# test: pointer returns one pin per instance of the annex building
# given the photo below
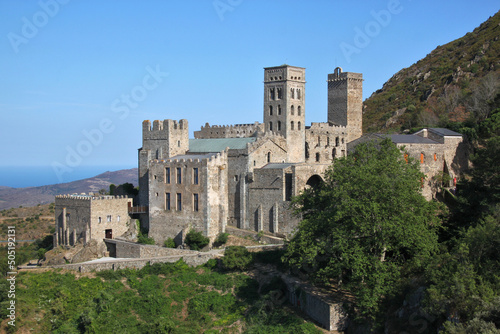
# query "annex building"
(245, 175)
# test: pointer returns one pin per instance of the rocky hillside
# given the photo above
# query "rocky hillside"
(15, 197)
(453, 83)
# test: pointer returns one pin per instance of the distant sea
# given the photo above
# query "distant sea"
(34, 176)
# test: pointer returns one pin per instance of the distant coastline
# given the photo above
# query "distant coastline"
(35, 176)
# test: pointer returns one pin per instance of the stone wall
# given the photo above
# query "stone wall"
(345, 101)
(86, 217)
(196, 202)
(325, 142)
(229, 131)
(161, 141)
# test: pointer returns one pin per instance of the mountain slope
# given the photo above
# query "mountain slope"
(443, 87)
(14, 197)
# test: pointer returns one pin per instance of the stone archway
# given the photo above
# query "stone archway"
(315, 181)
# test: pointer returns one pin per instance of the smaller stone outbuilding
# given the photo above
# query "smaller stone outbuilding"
(81, 218)
(439, 151)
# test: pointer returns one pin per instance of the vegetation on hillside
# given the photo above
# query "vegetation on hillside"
(365, 224)
(161, 298)
(412, 266)
(453, 84)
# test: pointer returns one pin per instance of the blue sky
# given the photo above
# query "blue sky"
(78, 77)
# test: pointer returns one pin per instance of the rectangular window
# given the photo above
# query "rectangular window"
(108, 218)
(179, 175)
(195, 202)
(179, 202)
(167, 175)
(167, 201)
(195, 175)
(117, 218)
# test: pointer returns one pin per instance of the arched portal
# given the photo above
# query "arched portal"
(314, 181)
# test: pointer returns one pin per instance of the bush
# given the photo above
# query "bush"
(221, 239)
(236, 257)
(144, 239)
(196, 240)
(169, 243)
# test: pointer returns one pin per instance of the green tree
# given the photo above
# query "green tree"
(364, 223)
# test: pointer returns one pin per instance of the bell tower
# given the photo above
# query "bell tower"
(284, 107)
(345, 101)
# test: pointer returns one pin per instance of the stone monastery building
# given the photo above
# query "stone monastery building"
(245, 175)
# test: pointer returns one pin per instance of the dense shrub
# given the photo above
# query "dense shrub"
(236, 257)
(196, 240)
(221, 239)
(169, 243)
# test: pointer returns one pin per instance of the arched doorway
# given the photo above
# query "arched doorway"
(314, 181)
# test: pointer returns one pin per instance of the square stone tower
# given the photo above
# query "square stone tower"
(162, 141)
(345, 101)
(284, 107)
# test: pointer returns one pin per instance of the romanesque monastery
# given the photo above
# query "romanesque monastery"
(245, 175)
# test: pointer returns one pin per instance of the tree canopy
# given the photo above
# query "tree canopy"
(366, 221)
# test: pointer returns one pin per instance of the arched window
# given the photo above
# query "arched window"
(299, 110)
(280, 94)
(270, 110)
(271, 94)
(298, 94)
(279, 109)
(279, 125)
(317, 157)
(336, 141)
(334, 153)
(270, 126)
(298, 125)
(292, 110)
(291, 125)
(292, 93)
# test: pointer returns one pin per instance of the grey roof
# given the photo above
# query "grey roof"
(218, 144)
(277, 165)
(445, 132)
(411, 139)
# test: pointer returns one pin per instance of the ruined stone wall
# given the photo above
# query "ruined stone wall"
(229, 131)
(208, 214)
(325, 142)
(72, 219)
(433, 159)
(86, 217)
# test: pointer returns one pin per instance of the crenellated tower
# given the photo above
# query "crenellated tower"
(165, 139)
(284, 107)
(345, 101)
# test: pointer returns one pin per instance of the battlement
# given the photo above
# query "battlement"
(227, 131)
(339, 75)
(90, 197)
(214, 159)
(325, 127)
(166, 125)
